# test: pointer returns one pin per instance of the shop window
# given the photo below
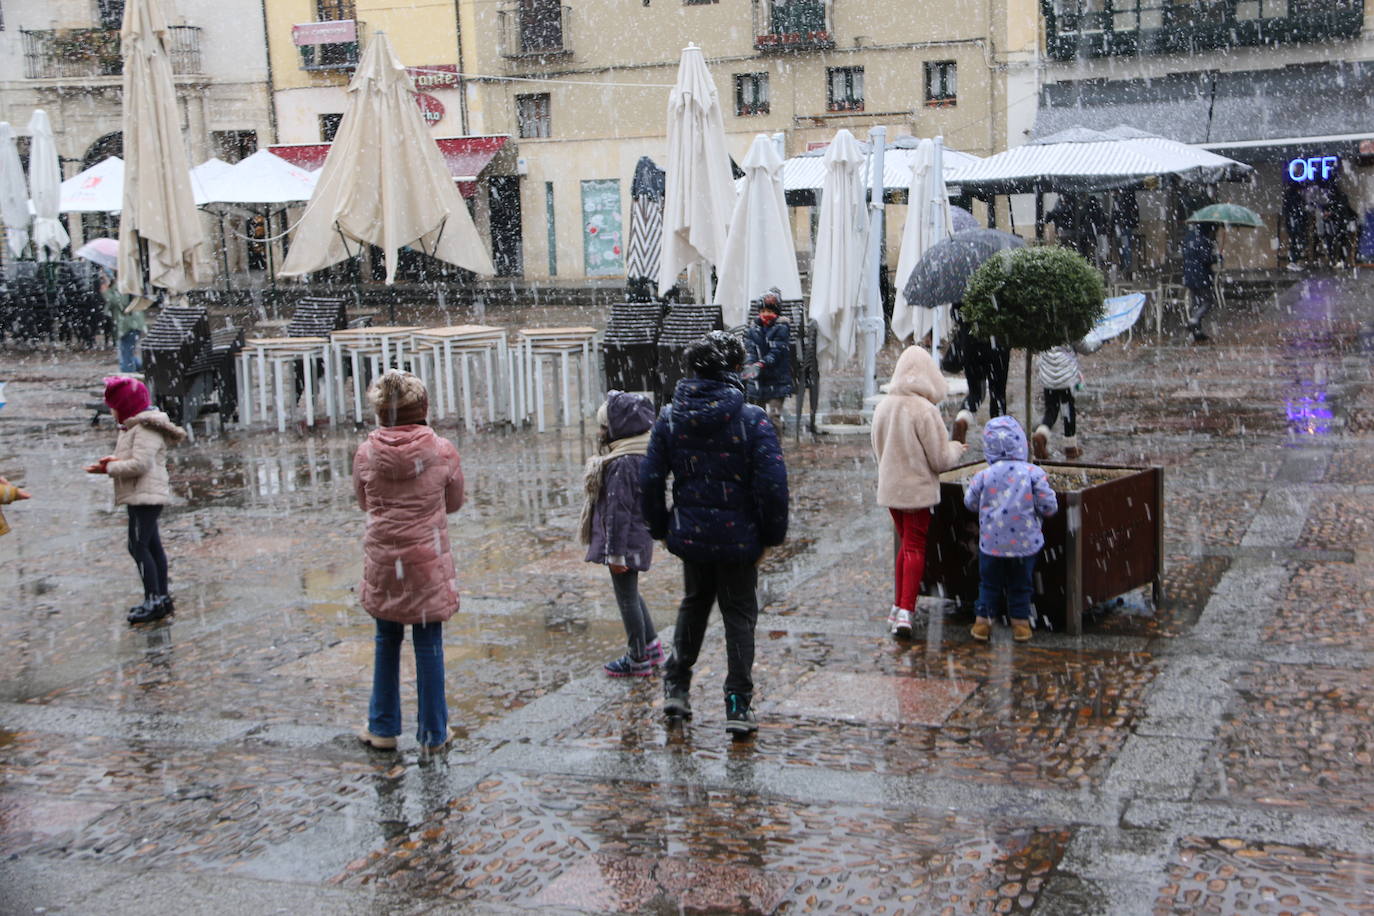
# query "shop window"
(941, 83)
(335, 10)
(533, 116)
(110, 13)
(234, 145)
(844, 89)
(329, 126)
(751, 94)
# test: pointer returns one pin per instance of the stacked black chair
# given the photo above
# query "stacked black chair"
(317, 316)
(220, 362)
(630, 346)
(170, 348)
(684, 323)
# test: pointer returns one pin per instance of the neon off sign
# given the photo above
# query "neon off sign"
(1313, 168)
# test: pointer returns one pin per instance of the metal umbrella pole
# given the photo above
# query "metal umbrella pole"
(871, 324)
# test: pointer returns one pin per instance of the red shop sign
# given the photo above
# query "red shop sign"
(431, 109)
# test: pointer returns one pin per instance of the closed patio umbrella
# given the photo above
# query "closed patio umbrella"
(700, 192)
(14, 197)
(45, 184)
(646, 227)
(159, 228)
(837, 265)
(928, 220)
(759, 253)
(384, 182)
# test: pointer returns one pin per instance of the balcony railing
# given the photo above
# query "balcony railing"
(1105, 28)
(91, 53)
(334, 55)
(793, 25)
(534, 29)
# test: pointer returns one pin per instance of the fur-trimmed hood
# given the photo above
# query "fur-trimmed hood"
(155, 419)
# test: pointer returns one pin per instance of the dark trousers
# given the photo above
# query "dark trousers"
(1054, 399)
(985, 364)
(145, 546)
(1203, 300)
(1005, 584)
(734, 586)
(639, 626)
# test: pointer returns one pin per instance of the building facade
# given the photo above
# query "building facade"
(64, 56)
(1282, 85)
(558, 101)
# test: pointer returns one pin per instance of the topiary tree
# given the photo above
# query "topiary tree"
(1033, 299)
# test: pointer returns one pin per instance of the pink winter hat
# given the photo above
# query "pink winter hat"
(126, 396)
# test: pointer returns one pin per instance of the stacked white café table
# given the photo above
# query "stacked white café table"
(435, 351)
(535, 346)
(278, 357)
(382, 347)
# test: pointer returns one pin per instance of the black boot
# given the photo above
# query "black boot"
(739, 718)
(151, 609)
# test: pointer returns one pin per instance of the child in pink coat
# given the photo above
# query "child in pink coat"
(407, 479)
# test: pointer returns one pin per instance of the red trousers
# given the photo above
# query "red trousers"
(910, 564)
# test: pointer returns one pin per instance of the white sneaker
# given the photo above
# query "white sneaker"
(901, 623)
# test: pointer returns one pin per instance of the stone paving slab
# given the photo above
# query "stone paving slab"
(1298, 737)
(524, 836)
(1232, 875)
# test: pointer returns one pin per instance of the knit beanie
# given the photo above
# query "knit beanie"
(126, 396)
(398, 398)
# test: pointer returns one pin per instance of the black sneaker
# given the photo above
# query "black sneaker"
(739, 718)
(150, 610)
(676, 703)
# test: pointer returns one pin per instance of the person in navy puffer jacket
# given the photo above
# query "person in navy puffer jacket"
(729, 506)
(1010, 495)
(768, 343)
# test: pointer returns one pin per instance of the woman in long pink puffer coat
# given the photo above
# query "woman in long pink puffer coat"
(407, 478)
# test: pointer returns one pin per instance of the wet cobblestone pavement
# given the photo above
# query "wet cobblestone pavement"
(1211, 754)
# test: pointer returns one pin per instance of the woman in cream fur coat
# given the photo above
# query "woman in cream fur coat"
(913, 448)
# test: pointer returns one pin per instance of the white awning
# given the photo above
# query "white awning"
(99, 189)
(807, 171)
(262, 178)
(1079, 159)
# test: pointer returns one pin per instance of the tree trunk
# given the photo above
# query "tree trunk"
(1030, 407)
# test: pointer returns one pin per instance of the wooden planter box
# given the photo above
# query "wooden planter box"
(1106, 539)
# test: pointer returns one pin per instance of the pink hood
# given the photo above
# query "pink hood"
(407, 479)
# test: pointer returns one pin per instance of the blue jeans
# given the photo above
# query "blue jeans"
(128, 362)
(1004, 584)
(384, 712)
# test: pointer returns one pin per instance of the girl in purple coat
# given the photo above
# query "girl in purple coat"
(613, 525)
(1010, 495)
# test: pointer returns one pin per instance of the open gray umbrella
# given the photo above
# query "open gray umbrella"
(942, 273)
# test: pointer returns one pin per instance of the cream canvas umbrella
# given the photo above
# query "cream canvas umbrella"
(384, 182)
(45, 184)
(159, 228)
(928, 220)
(837, 265)
(700, 191)
(759, 253)
(14, 197)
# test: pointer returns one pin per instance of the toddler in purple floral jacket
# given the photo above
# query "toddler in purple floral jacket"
(1011, 496)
